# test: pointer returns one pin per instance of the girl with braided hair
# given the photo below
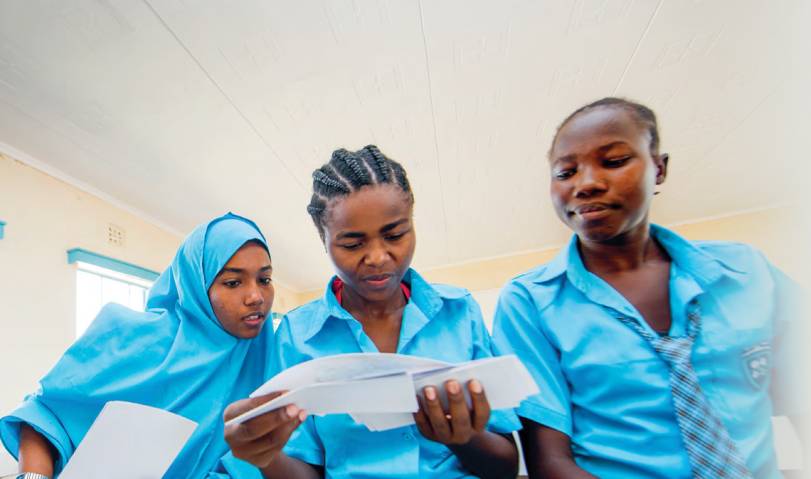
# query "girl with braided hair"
(362, 208)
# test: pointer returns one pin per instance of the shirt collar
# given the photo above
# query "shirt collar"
(705, 267)
(424, 296)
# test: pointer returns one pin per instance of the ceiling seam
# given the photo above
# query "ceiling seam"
(637, 48)
(433, 123)
(225, 95)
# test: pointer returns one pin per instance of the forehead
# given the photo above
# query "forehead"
(598, 127)
(249, 255)
(368, 209)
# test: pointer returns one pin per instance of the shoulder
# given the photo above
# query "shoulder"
(299, 321)
(452, 293)
(738, 257)
(539, 286)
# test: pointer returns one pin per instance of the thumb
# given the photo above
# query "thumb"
(244, 405)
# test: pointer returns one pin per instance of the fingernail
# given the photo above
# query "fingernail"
(302, 415)
(452, 387)
(430, 393)
(475, 387)
(291, 410)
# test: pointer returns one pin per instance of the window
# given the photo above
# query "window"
(101, 280)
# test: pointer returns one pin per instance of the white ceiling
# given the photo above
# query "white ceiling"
(183, 109)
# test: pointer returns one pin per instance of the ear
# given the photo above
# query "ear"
(661, 167)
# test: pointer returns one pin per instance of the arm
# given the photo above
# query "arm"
(548, 453)
(260, 440)
(36, 453)
(462, 429)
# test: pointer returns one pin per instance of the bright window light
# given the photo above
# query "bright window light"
(97, 286)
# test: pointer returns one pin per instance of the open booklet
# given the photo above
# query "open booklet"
(379, 389)
(129, 441)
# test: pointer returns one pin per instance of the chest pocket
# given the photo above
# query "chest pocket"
(742, 359)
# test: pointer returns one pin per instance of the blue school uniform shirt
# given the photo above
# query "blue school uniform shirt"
(174, 356)
(604, 386)
(439, 322)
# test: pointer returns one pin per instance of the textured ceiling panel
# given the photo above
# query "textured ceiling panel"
(184, 109)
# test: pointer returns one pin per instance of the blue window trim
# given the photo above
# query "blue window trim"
(2, 227)
(79, 254)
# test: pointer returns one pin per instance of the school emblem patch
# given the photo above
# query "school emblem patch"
(757, 363)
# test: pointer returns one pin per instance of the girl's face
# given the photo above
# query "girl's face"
(604, 174)
(370, 239)
(242, 293)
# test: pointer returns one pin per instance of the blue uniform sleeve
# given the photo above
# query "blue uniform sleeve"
(304, 444)
(518, 329)
(231, 467)
(790, 381)
(37, 415)
(502, 421)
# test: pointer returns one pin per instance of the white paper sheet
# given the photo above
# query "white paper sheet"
(129, 441)
(379, 390)
(389, 393)
(505, 380)
(344, 367)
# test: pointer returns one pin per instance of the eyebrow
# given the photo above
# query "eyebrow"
(356, 234)
(607, 147)
(393, 225)
(601, 149)
(241, 270)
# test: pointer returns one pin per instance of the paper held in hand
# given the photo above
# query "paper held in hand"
(129, 441)
(379, 389)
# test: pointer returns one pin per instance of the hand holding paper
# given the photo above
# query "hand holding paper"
(262, 439)
(378, 390)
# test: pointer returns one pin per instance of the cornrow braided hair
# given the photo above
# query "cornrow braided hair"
(347, 172)
(644, 116)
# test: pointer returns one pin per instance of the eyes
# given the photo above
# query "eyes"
(389, 237)
(232, 283)
(564, 173)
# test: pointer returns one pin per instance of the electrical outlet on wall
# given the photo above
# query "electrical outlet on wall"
(115, 235)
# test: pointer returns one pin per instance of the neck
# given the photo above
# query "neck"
(364, 309)
(625, 252)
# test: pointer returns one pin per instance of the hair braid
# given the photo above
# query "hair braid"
(348, 171)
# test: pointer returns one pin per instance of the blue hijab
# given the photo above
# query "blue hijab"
(175, 356)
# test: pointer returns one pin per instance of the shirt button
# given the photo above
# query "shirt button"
(408, 436)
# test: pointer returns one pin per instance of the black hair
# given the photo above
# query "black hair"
(349, 171)
(643, 115)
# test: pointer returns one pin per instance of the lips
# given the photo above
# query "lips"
(377, 280)
(255, 318)
(592, 210)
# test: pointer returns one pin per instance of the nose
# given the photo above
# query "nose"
(376, 255)
(254, 297)
(589, 182)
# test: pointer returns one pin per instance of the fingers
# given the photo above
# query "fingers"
(259, 440)
(459, 412)
(422, 422)
(480, 404)
(261, 425)
(264, 449)
(242, 406)
(436, 415)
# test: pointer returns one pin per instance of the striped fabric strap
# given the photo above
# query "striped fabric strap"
(712, 453)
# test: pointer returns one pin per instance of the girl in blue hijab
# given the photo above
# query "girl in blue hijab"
(186, 354)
